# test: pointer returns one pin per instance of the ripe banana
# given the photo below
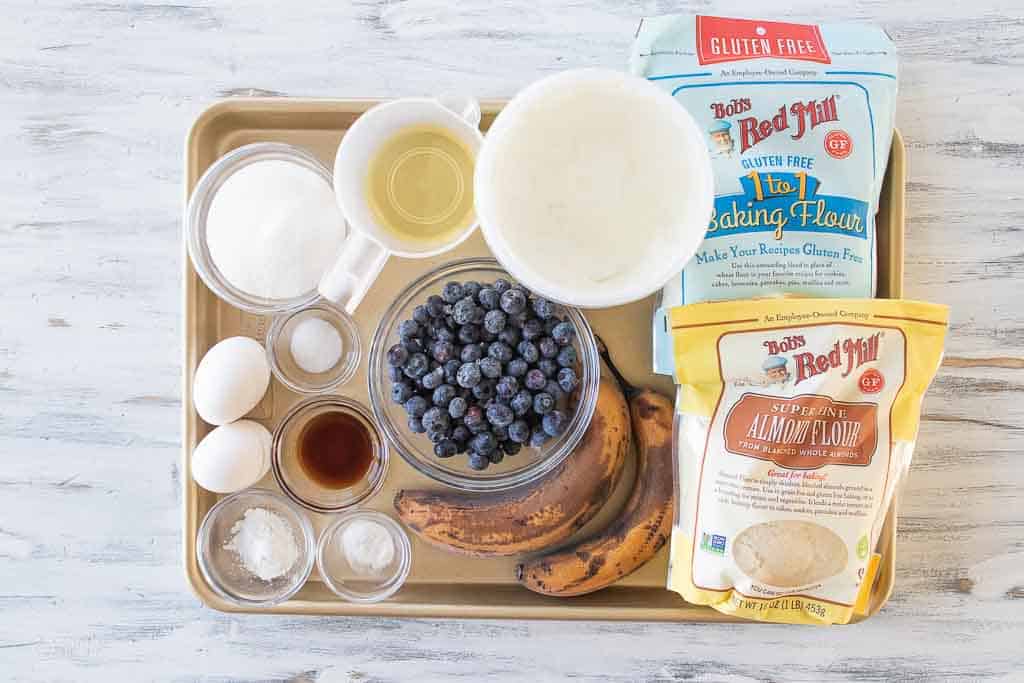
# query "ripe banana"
(537, 515)
(638, 533)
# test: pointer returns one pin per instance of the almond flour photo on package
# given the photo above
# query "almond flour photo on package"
(795, 423)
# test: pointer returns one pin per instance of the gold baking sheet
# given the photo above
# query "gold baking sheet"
(443, 584)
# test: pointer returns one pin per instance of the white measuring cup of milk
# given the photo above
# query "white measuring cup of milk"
(369, 244)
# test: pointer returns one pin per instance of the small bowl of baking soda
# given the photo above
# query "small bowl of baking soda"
(364, 556)
(313, 349)
(256, 548)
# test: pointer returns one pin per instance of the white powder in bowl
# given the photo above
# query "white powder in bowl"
(273, 228)
(264, 543)
(368, 546)
(315, 345)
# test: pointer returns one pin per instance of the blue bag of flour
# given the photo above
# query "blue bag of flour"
(799, 120)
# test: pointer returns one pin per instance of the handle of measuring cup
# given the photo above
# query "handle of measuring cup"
(358, 264)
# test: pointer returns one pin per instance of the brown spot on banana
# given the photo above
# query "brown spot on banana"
(539, 515)
(638, 533)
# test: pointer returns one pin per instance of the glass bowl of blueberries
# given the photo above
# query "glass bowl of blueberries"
(479, 383)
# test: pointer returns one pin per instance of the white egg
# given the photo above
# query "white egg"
(232, 457)
(230, 380)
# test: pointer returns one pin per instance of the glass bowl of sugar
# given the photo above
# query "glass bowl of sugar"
(364, 556)
(263, 226)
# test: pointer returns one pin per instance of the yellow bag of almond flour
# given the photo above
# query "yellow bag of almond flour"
(796, 422)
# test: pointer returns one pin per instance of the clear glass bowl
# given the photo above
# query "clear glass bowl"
(222, 568)
(292, 478)
(199, 206)
(349, 582)
(283, 364)
(416, 449)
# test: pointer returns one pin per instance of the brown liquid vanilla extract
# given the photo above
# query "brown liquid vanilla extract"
(335, 450)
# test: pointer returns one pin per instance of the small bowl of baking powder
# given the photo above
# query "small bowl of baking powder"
(256, 548)
(364, 556)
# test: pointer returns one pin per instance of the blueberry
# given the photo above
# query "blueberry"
(499, 415)
(443, 395)
(421, 315)
(511, 447)
(408, 328)
(522, 403)
(483, 443)
(547, 366)
(517, 367)
(567, 380)
(471, 288)
(490, 367)
(436, 437)
(508, 387)
(489, 298)
(452, 292)
(554, 389)
(543, 308)
(478, 462)
(566, 357)
(554, 423)
(442, 351)
(517, 320)
(495, 321)
(513, 301)
(485, 389)
(470, 353)
(497, 455)
(401, 392)
(510, 335)
(535, 380)
(463, 311)
(397, 355)
(436, 420)
(457, 407)
(469, 334)
(551, 323)
(412, 345)
(563, 333)
(442, 333)
(460, 435)
(528, 351)
(474, 419)
(416, 366)
(487, 337)
(500, 351)
(435, 306)
(500, 433)
(519, 431)
(543, 403)
(548, 347)
(395, 374)
(469, 375)
(451, 371)
(478, 316)
(433, 379)
(538, 437)
(501, 285)
(416, 406)
(416, 425)
(445, 449)
(532, 329)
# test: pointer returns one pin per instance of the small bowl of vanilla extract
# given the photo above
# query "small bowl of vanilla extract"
(328, 454)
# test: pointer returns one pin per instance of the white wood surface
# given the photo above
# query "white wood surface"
(95, 99)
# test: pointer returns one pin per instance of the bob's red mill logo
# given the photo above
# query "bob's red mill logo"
(731, 40)
(805, 115)
(846, 354)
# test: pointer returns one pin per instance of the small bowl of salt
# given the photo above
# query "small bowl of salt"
(313, 349)
(364, 556)
(256, 548)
